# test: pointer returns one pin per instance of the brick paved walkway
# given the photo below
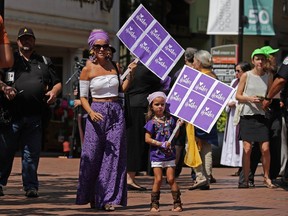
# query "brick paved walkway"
(58, 179)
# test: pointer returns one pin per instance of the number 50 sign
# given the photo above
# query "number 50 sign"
(260, 17)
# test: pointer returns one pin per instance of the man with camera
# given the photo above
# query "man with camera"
(36, 85)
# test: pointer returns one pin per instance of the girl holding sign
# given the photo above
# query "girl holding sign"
(159, 128)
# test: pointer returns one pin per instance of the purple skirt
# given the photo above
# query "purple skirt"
(102, 175)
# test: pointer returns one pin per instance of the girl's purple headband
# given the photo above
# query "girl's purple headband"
(154, 95)
(97, 35)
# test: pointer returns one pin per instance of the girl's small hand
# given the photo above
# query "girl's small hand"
(95, 116)
(165, 144)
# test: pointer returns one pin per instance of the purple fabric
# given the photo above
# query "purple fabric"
(102, 176)
(95, 35)
(161, 133)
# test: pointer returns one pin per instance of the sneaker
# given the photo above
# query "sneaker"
(198, 184)
(251, 184)
(1, 191)
(243, 185)
(212, 179)
(31, 193)
(205, 187)
(284, 180)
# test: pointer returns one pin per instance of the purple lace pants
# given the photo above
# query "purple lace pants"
(102, 175)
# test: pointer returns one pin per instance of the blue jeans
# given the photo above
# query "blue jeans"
(26, 133)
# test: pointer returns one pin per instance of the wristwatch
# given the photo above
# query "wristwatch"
(268, 99)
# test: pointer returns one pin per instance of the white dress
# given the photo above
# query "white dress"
(231, 150)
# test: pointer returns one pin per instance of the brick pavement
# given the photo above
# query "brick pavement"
(58, 180)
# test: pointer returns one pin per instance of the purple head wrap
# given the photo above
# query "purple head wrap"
(95, 35)
(154, 95)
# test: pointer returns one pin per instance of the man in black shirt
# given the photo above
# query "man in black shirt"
(36, 83)
(279, 83)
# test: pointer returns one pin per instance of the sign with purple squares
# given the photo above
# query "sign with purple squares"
(203, 84)
(207, 114)
(157, 33)
(161, 63)
(203, 101)
(142, 17)
(150, 42)
(145, 49)
(130, 34)
(190, 106)
(176, 98)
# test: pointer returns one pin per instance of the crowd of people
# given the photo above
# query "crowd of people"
(117, 146)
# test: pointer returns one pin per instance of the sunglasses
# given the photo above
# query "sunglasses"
(99, 46)
(237, 71)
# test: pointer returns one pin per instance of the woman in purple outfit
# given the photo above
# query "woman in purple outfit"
(102, 176)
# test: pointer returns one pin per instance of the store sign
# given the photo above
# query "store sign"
(260, 17)
(224, 60)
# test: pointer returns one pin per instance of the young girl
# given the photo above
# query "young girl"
(159, 128)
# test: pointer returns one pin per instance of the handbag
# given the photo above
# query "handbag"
(239, 106)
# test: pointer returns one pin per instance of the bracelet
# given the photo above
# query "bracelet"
(268, 99)
(89, 112)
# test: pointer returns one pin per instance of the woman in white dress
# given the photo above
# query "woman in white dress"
(232, 147)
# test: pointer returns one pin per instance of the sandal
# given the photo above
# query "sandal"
(177, 207)
(154, 207)
(268, 183)
(108, 207)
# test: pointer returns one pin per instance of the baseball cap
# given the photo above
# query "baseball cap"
(25, 31)
(269, 50)
(258, 51)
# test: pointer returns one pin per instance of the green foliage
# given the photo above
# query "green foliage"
(221, 122)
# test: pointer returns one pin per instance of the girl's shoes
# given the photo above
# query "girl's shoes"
(268, 183)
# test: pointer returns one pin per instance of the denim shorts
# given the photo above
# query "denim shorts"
(163, 164)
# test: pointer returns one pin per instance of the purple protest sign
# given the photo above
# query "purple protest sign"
(191, 105)
(187, 77)
(204, 84)
(172, 49)
(161, 63)
(142, 17)
(157, 33)
(207, 115)
(130, 34)
(145, 49)
(220, 93)
(150, 42)
(204, 99)
(176, 98)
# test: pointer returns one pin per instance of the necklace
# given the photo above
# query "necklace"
(162, 118)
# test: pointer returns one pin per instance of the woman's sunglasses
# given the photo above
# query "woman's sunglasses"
(99, 46)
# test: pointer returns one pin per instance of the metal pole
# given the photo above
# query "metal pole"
(240, 34)
(2, 8)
